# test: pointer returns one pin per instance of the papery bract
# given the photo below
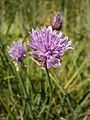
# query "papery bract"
(56, 22)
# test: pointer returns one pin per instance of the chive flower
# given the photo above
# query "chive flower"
(56, 22)
(17, 51)
(47, 46)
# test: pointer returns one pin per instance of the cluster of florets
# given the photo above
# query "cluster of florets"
(47, 46)
(17, 51)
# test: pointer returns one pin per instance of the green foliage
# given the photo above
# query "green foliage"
(27, 92)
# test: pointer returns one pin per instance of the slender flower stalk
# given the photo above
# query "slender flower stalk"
(50, 84)
(25, 95)
(49, 78)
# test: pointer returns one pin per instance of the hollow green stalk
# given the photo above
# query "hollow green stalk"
(25, 95)
(50, 84)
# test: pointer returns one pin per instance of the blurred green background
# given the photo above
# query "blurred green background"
(71, 81)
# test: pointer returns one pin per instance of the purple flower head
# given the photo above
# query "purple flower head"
(48, 46)
(17, 51)
(56, 22)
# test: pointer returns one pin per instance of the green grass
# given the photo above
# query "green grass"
(28, 92)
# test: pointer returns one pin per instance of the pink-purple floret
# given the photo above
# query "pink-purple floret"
(47, 46)
(17, 51)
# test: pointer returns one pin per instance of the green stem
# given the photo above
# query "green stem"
(49, 78)
(50, 84)
(25, 95)
(43, 85)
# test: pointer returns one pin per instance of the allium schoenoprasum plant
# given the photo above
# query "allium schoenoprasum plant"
(17, 52)
(47, 47)
(27, 92)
